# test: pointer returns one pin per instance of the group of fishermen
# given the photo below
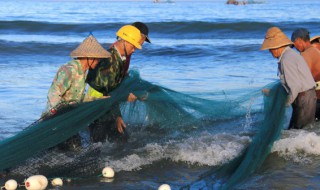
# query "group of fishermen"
(103, 70)
(299, 73)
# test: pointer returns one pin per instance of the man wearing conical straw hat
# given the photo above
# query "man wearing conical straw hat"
(68, 86)
(69, 82)
(295, 77)
(301, 39)
(315, 42)
(106, 77)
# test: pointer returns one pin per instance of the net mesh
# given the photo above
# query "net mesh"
(238, 169)
(31, 151)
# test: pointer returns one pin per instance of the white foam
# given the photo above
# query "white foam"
(298, 145)
(55, 39)
(210, 150)
(207, 149)
(135, 161)
(41, 38)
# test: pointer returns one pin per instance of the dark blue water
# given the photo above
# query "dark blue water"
(198, 48)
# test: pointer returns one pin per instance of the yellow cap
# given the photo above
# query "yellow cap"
(130, 34)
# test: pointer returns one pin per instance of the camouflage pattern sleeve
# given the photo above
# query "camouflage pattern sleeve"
(116, 111)
(59, 86)
(99, 77)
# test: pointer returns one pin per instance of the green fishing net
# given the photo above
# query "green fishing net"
(32, 151)
(238, 169)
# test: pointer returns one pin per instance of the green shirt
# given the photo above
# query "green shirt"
(108, 74)
(68, 84)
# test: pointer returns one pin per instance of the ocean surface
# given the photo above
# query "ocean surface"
(198, 48)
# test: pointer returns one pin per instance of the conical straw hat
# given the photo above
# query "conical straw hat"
(91, 48)
(275, 38)
(315, 39)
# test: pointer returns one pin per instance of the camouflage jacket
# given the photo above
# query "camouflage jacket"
(68, 84)
(108, 74)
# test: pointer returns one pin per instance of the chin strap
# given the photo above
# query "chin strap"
(91, 62)
(125, 49)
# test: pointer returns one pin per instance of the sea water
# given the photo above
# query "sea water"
(199, 48)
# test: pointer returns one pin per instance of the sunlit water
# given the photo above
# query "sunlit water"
(198, 48)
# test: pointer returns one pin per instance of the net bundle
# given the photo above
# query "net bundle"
(232, 173)
(30, 151)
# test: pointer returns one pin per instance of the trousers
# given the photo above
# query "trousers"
(303, 109)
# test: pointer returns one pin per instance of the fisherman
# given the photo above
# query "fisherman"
(301, 39)
(235, 2)
(144, 30)
(315, 42)
(295, 77)
(68, 86)
(111, 125)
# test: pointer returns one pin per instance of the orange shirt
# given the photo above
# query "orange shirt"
(312, 56)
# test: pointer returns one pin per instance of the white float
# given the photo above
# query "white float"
(11, 184)
(32, 184)
(164, 187)
(108, 172)
(36, 182)
(57, 182)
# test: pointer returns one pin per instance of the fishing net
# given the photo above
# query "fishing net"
(256, 1)
(233, 172)
(33, 150)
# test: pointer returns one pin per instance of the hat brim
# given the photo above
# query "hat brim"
(276, 46)
(90, 48)
(273, 44)
(148, 39)
(314, 39)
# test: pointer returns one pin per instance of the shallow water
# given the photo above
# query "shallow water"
(206, 49)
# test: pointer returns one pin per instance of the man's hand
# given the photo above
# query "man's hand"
(266, 91)
(120, 124)
(144, 97)
(132, 98)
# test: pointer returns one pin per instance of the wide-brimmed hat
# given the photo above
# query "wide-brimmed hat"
(143, 29)
(275, 38)
(315, 39)
(90, 48)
